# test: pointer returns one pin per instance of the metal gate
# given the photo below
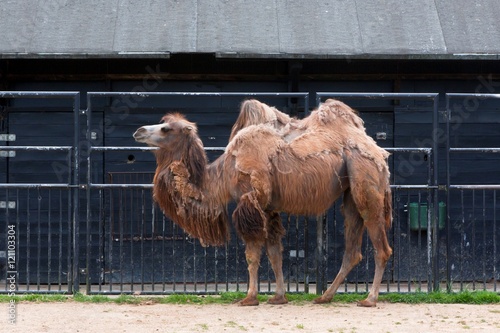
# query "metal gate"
(91, 222)
(39, 209)
(473, 235)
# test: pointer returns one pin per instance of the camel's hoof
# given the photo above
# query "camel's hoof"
(367, 303)
(277, 300)
(321, 300)
(249, 302)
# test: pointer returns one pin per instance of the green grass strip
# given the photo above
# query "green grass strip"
(464, 297)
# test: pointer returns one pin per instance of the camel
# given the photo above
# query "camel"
(274, 164)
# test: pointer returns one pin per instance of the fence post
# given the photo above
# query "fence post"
(434, 196)
(74, 279)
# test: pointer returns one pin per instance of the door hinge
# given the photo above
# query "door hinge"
(7, 153)
(7, 137)
(8, 204)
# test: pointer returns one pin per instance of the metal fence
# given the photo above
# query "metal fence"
(99, 230)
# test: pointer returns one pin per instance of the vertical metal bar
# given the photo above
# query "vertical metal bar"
(321, 256)
(131, 241)
(74, 272)
(145, 232)
(237, 264)
(88, 143)
(195, 283)
(215, 268)
(306, 255)
(39, 239)
(100, 250)
(429, 219)
(473, 238)
(288, 245)
(430, 246)
(462, 234)
(409, 240)
(173, 256)
(448, 199)
(297, 251)
(184, 263)
(109, 262)
(28, 239)
(435, 208)
(419, 240)
(121, 217)
(153, 240)
(495, 277)
(154, 217)
(397, 240)
(205, 275)
(484, 259)
(60, 253)
(227, 266)
(49, 241)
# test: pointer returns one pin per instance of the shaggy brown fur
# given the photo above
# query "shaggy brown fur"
(270, 166)
(253, 112)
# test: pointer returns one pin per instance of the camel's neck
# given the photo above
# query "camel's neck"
(189, 153)
(190, 192)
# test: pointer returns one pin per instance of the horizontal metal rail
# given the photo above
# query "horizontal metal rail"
(97, 148)
(194, 94)
(110, 148)
(39, 94)
(38, 148)
(428, 96)
(475, 187)
(475, 150)
(468, 95)
(40, 185)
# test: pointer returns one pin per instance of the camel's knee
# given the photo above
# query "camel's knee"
(383, 255)
(249, 219)
(352, 259)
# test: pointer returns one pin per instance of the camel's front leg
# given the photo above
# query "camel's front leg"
(274, 250)
(252, 252)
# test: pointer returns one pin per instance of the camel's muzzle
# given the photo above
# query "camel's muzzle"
(140, 134)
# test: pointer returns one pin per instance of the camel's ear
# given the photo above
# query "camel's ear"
(187, 129)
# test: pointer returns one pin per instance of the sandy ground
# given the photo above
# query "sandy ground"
(334, 317)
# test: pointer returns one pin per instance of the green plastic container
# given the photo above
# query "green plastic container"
(414, 215)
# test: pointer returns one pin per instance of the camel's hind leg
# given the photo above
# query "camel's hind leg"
(354, 228)
(378, 236)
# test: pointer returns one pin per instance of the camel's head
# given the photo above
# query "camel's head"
(173, 129)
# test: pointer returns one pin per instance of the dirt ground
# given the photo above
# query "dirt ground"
(348, 318)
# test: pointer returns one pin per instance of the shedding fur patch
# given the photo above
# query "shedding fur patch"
(249, 219)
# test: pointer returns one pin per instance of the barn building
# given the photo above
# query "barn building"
(425, 77)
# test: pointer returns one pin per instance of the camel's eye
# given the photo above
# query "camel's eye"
(165, 129)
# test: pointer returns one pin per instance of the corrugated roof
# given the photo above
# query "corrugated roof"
(258, 28)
